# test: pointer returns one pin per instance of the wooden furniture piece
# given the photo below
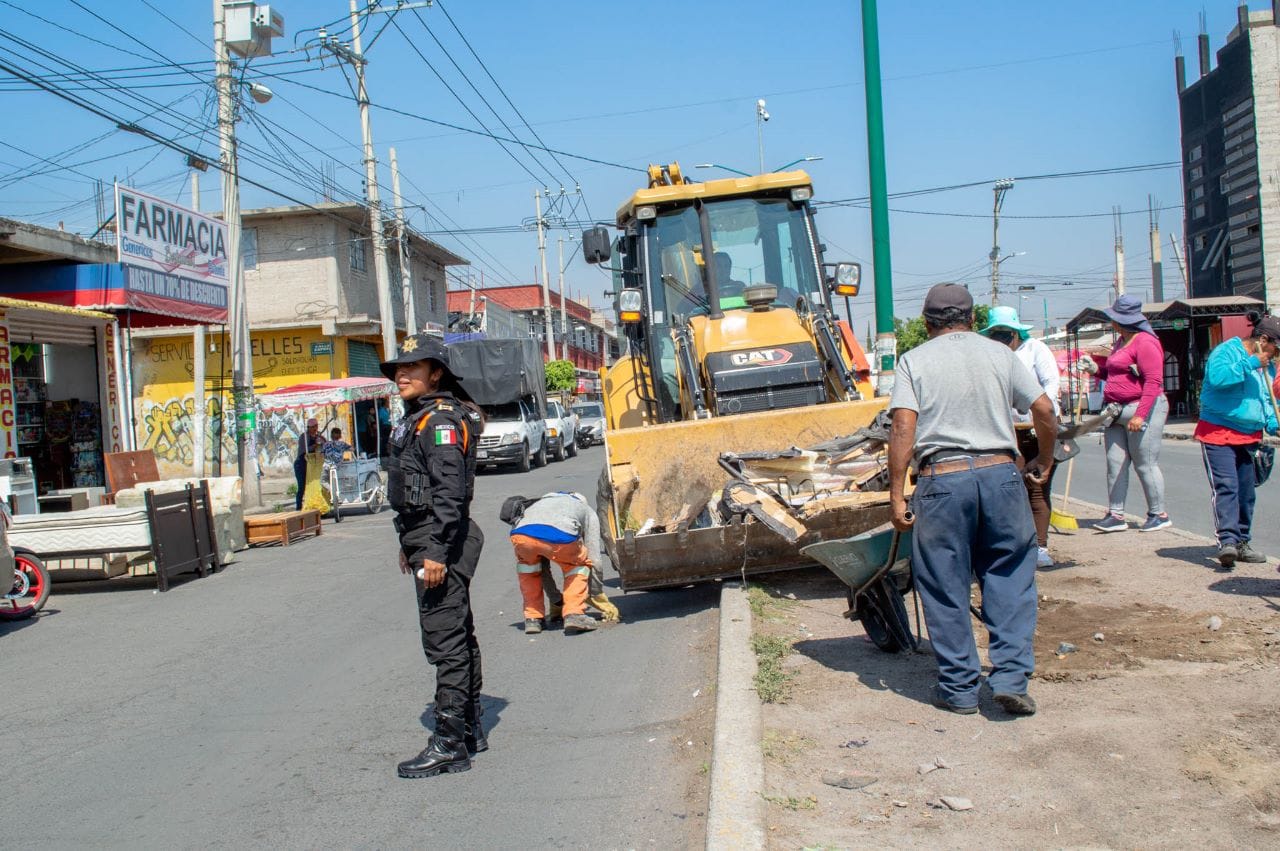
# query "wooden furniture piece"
(52, 503)
(282, 527)
(129, 469)
(175, 529)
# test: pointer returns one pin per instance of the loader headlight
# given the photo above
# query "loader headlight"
(846, 280)
(801, 193)
(630, 305)
(647, 212)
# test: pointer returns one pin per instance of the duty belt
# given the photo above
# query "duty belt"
(404, 522)
(970, 462)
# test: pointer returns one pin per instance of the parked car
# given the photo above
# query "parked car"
(514, 434)
(590, 423)
(562, 431)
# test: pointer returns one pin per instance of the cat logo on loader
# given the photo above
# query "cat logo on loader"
(760, 357)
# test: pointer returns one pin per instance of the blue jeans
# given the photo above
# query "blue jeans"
(1230, 470)
(977, 523)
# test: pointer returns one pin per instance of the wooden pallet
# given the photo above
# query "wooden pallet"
(282, 527)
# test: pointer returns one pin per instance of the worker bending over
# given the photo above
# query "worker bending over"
(560, 527)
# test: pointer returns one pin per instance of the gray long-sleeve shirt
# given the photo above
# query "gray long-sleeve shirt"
(568, 513)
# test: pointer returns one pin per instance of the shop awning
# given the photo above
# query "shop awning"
(33, 322)
(149, 297)
(314, 394)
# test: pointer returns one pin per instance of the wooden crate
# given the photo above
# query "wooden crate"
(282, 527)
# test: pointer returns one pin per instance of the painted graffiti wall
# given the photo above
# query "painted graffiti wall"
(163, 370)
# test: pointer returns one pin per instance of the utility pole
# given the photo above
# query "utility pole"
(382, 275)
(1157, 268)
(241, 349)
(886, 341)
(546, 289)
(1115, 211)
(1002, 186)
(406, 273)
(564, 321)
(198, 347)
(1182, 270)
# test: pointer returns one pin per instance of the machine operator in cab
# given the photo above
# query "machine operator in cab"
(431, 479)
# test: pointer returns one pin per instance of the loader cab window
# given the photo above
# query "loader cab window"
(754, 241)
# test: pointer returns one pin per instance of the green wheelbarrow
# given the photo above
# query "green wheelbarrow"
(876, 566)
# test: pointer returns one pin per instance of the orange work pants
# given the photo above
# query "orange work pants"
(573, 560)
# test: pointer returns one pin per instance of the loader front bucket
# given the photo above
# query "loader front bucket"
(664, 476)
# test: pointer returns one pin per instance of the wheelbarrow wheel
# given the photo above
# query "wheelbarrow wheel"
(888, 630)
(373, 487)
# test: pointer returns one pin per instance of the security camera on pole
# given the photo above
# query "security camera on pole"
(762, 115)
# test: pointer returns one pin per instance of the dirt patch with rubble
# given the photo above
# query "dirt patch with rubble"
(1159, 729)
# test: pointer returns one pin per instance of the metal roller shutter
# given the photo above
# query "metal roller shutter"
(33, 327)
(362, 360)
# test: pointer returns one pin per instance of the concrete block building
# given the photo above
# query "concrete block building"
(1230, 126)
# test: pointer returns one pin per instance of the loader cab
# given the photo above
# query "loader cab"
(704, 260)
(764, 239)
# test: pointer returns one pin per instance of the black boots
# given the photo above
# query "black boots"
(475, 738)
(446, 753)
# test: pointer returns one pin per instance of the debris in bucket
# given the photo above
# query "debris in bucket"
(1065, 648)
(1097, 636)
(856, 743)
(1215, 623)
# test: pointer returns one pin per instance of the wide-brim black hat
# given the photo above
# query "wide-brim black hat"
(419, 347)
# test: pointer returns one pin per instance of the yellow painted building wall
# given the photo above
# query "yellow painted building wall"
(164, 398)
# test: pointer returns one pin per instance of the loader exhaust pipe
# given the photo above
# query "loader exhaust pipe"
(714, 311)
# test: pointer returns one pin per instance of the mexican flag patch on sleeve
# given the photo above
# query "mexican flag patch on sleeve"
(445, 435)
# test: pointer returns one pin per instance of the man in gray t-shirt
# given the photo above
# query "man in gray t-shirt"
(969, 514)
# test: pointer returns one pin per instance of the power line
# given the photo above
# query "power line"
(468, 130)
(505, 97)
(1130, 169)
(470, 111)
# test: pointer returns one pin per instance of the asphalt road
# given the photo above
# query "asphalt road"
(268, 704)
(1186, 490)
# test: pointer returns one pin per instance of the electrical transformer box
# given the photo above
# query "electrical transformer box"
(251, 26)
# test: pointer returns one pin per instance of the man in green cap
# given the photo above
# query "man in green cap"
(430, 482)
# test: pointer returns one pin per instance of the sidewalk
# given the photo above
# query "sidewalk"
(1158, 729)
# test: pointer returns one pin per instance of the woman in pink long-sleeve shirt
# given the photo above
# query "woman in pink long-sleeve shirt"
(1134, 375)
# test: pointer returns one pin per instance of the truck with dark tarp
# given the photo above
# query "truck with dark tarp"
(507, 378)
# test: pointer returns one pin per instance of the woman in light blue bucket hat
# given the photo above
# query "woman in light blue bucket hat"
(1003, 326)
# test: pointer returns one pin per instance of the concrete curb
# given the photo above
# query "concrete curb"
(735, 817)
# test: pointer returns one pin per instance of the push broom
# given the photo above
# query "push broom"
(1063, 520)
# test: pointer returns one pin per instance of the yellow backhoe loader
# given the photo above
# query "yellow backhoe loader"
(733, 413)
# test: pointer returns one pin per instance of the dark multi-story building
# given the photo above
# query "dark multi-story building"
(1231, 160)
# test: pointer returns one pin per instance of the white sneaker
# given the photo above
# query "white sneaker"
(1043, 559)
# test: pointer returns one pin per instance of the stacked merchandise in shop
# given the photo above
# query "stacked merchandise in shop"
(74, 430)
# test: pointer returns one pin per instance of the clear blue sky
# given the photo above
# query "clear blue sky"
(973, 91)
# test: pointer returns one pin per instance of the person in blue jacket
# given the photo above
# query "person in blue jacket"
(1236, 407)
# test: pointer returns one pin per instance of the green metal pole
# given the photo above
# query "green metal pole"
(886, 343)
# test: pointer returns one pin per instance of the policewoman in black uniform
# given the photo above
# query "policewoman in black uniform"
(431, 479)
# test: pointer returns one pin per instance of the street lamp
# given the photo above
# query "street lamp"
(797, 162)
(725, 167)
